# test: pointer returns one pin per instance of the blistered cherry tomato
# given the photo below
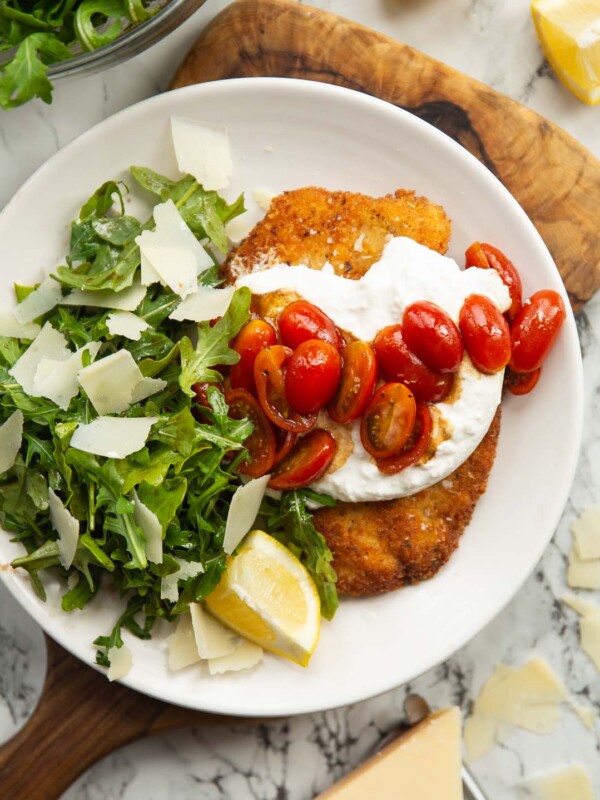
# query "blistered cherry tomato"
(398, 363)
(307, 461)
(269, 376)
(521, 382)
(359, 373)
(432, 336)
(414, 448)
(261, 442)
(534, 330)
(254, 336)
(487, 256)
(284, 441)
(485, 334)
(312, 376)
(301, 321)
(388, 420)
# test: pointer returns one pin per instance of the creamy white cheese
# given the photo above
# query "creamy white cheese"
(407, 272)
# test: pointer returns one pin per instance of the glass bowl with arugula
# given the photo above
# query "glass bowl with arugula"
(45, 40)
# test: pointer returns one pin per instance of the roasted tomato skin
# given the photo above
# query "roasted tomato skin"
(388, 420)
(261, 442)
(519, 383)
(534, 330)
(306, 462)
(201, 392)
(485, 334)
(432, 335)
(486, 256)
(313, 373)
(269, 376)
(284, 441)
(414, 448)
(359, 373)
(301, 321)
(399, 364)
(254, 337)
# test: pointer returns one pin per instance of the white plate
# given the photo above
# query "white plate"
(287, 134)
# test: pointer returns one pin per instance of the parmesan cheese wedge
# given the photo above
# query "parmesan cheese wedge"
(11, 438)
(57, 380)
(243, 511)
(181, 645)
(40, 301)
(48, 344)
(245, 656)
(126, 300)
(202, 150)
(213, 639)
(10, 327)
(126, 323)
(67, 527)
(151, 528)
(113, 437)
(120, 662)
(204, 304)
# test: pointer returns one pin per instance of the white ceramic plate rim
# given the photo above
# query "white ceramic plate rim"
(245, 703)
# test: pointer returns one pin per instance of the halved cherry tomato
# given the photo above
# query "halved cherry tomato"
(486, 256)
(433, 336)
(284, 441)
(201, 392)
(521, 382)
(485, 334)
(270, 388)
(254, 336)
(398, 363)
(312, 376)
(302, 320)
(261, 442)
(388, 420)
(306, 463)
(359, 373)
(414, 448)
(534, 330)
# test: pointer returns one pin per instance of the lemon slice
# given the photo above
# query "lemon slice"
(267, 596)
(569, 32)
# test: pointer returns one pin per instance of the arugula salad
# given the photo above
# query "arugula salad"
(184, 472)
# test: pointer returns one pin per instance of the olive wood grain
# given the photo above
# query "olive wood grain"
(554, 178)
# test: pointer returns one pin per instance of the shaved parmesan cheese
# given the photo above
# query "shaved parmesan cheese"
(586, 714)
(168, 584)
(148, 275)
(109, 382)
(589, 631)
(50, 344)
(182, 645)
(238, 228)
(263, 197)
(586, 534)
(245, 656)
(127, 300)
(11, 438)
(147, 387)
(583, 574)
(205, 304)
(113, 437)
(126, 323)
(202, 150)
(120, 662)
(243, 510)
(212, 638)
(151, 528)
(57, 380)
(480, 734)
(67, 527)
(10, 327)
(568, 783)
(173, 251)
(41, 300)
(582, 607)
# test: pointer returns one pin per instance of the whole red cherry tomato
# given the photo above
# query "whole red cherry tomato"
(433, 336)
(486, 256)
(398, 363)
(485, 334)
(284, 441)
(307, 461)
(254, 336)
(302, 320)
(414, 448)
(270, 388)
(359, 373)
(261, 442)
(534, 330)
(312, 376)
(521, 382)
(388, 420)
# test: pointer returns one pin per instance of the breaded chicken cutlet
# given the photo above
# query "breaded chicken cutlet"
(377, 546)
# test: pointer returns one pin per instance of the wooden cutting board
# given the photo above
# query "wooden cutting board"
(81, 717)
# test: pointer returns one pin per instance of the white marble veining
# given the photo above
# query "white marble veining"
(292, 759)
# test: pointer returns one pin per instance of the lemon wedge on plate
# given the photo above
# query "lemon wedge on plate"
(569, 32)
(268, 597)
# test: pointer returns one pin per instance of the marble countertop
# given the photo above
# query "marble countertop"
(292, 759)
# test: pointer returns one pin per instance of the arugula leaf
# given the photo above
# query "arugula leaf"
(25, 76)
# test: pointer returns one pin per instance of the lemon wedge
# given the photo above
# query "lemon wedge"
(268, 597)
(569, 32)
